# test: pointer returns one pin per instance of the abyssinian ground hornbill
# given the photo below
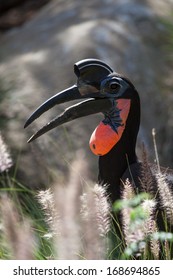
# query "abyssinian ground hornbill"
(114, 139)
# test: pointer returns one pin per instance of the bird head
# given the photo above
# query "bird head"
(103, 90)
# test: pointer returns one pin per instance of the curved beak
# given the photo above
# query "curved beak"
(82, 109)
(90, 73)
(90, 106)
(71, 93)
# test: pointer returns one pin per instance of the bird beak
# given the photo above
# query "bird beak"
(92, 104)
(69, 94)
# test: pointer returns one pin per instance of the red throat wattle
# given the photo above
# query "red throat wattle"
(104, 138)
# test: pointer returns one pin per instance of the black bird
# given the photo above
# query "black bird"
(114, 139)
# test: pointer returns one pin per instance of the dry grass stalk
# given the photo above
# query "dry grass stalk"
(147, 179)
(127, 194)
(155, 149)
(150, 226)
(67, 205)
(167, 250)
(46, 199)
(5, 158)
(61, 208)
(91, 240)
(154, 244)
(102, 209)
(79, 222)
(135, 232)
(18, 234)
(95, 212)
(166, 196)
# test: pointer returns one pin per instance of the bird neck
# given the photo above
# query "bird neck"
(113, 164)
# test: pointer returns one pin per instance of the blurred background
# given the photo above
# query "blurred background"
(39, 43)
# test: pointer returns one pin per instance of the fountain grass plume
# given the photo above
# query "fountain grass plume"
(78, 214)
(5, 158)
(18, 233)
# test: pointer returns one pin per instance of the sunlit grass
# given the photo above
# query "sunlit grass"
(27, 207)
(75, 221)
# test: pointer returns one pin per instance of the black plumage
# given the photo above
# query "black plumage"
(114, 140)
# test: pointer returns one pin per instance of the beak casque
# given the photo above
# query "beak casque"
(90, 73)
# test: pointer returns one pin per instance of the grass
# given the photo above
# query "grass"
(20, 215)
(24, 213)
(77, 222)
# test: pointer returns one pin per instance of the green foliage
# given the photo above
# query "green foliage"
(26, 231)
(27, 207)
(151, 245)
(134, 202)
(139, 248)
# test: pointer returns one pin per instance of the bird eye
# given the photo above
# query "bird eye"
(114, 85)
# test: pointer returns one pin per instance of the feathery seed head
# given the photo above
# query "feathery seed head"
(5, 158)
(166, 195)
(18, 234)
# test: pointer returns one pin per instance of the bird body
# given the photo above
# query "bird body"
(114, 164)
(114, 139)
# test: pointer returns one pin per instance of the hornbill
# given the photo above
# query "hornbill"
(114, 139)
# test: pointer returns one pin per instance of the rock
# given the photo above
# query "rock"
(37, 61)
(17, 12)
(8, 4)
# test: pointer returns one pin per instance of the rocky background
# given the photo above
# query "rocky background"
(38, 47)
